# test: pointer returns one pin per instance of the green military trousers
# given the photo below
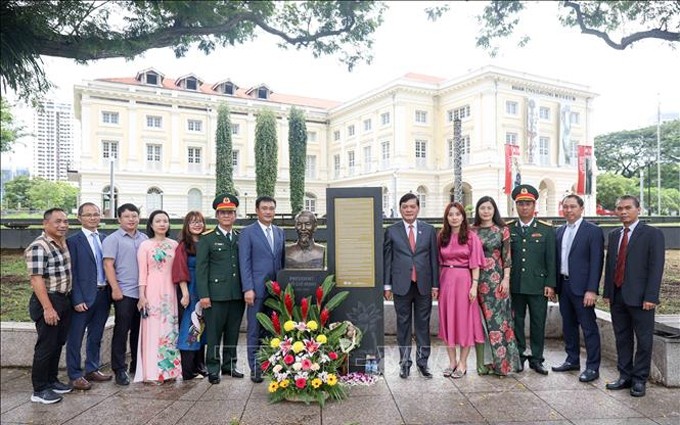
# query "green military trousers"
(222, 324)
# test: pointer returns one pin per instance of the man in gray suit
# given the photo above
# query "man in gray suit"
(412, 278)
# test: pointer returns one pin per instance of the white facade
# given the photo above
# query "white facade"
(53, 140)
(161, 137)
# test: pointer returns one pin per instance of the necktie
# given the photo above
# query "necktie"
(99, 258)
(621, 259)
(412, 243)
(270, 238)
(229, 236)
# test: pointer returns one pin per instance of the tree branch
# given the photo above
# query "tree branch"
(657, 33)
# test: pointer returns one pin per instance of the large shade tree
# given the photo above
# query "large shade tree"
(297, 154)
(266, 153)
(9, 130)
(89, 30)
(224, 169)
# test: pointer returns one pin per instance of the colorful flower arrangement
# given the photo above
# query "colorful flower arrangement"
(304, 353)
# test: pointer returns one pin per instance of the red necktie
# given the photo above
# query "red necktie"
(412, 242)
(621, 259)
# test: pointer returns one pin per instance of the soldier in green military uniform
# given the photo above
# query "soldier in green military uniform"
(532, 279)
(219, 288)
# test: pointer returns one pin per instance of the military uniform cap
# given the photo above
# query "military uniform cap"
(226, 202)
(524, 192)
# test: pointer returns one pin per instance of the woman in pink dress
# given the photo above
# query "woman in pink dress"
(158, 358)
(460, 257)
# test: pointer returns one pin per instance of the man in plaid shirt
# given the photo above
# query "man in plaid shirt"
(49, 265)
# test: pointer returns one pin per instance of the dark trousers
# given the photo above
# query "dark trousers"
(193, 362)
(255, 332)
(222, 323)
(632, 326)
(413, 313)
(127, 322)
(93, 319)
(50, 339)
(574, 314)
(538, 309)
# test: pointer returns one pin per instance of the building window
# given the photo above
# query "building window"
(194, 200)
(310, 202)
(511, 108)
(191, 83)
(262, 93)
(421, 117)
(368, 160)
(350, 163)
(336, 165)
(421, 192)
(421, 152)
(228, 88)
(575, 118)
(311, 136)
(153, 156)
(465, 154)
(152, 78)
(458, 113)
(195, 125)
(235, 161)
(110, 117)
(573, 153)
(154, 199)
(194, 155)
(154, 121)
(235, 129)
(544, 113)
(350, 130)
(544, 150)
(511, 138)
(385, 118)
(336, 135)
(367, 125)
(384, 155)
(310, 167)
(109, 150)
(386, 202)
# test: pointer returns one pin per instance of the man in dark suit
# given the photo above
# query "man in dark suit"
(260, 253)
(219, 289)
(580, 256)
(90, 299)
(632, 280)
(532, 279)
(411, 274)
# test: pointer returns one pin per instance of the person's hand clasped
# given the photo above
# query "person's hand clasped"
(205, 303)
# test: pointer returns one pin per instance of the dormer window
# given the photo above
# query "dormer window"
(228, 88)
(150, 76)
(262, 93)
(189, 82)
(225, 87)
(192, 84)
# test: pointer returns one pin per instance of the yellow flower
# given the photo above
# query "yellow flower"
(289, 326)
(312, 325)
(316, 382)
(284, 384)
(298, 346)
(274, 343)
(273, 386)
(332, 379)
(321, 339)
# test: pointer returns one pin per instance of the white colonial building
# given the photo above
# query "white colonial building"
(159, 134)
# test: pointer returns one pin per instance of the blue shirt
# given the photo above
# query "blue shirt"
(123, 249)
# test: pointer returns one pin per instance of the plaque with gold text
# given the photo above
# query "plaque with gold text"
(354, 243)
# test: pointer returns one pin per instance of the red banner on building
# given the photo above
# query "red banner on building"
(513, 176)
(584, 185)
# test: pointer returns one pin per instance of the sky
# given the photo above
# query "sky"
(630, 84)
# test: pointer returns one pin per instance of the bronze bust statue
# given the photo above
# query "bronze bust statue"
(305, 253)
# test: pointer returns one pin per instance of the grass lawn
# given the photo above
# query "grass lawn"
(15, 288)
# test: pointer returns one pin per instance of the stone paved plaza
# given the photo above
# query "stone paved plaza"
(525, 398)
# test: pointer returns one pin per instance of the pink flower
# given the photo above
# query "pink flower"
(504, 326)
(495, 337)
(265, 365)
(483, 288)
(289, 359)
(301, 383)
(306, 364)
(505, 367)
(333, 355)
(487, 313)
(489, 262)
(311, 346)
(500, 352)
(509, 334)
(495, 277)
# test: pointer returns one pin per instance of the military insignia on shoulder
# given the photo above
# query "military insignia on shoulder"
(511, 222)
(207, 232)
(545, 223)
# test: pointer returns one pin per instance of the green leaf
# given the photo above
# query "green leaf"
(265, 322)
(336, 300)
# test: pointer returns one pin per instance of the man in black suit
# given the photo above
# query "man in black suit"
(632, 280)
(580, 256)
(411, 274)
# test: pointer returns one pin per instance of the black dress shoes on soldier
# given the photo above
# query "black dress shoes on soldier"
(566, 367)
(619, 384)
(538, 367)
(214, 378)
(234, 373)
(589, 375)
(424, 372)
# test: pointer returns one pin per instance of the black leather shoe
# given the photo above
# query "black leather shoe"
(122, 378)
(538, 367)
(424, 372)
(589, 375)
(566, 367)
(638, 389)
(234, 373)
(256, 377)
(404, 372)
(619, 384)
(214, 378)
(521, 365)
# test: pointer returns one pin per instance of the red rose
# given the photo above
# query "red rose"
(265, 365)
(488, 313)
(483, 288)
(509, 334)
(333, 355)
(301, 383)
(495, 337)
(276, 288)
(500, 352)
(505, 367)
(289, 359)
(489, 263)
(495, 277)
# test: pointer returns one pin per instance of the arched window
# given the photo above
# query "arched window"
(422, 196)
(389, 212)
(194, 200)
(310, 202)
(106, 201)
(154, 199)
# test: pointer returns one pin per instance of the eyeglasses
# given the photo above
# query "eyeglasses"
(91, 215)
(195, 223)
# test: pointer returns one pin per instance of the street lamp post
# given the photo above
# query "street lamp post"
(649, 189)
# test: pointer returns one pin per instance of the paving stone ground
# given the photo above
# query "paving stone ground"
(524, 398)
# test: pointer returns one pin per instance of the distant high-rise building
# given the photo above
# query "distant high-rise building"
(53, 140)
